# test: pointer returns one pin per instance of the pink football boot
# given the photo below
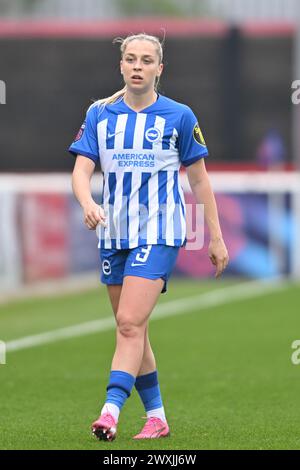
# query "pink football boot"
(105, 428)
(153, 429)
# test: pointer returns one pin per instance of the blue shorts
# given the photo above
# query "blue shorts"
(148, 261)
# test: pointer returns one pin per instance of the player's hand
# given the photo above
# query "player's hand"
(218, 255)
(93, 215)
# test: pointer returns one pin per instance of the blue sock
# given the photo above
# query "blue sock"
(119, 387)
(149, 391)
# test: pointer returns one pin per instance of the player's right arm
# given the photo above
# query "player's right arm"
(81, 177)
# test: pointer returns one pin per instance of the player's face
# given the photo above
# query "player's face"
(140, 65)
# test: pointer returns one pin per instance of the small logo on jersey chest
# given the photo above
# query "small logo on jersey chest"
(153, 135)
(110, 135)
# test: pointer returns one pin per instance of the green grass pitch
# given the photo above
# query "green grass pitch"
(225, 372)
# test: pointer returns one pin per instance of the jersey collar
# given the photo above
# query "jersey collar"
(122, 106)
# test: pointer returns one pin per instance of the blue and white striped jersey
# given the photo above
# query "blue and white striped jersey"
(140, 154)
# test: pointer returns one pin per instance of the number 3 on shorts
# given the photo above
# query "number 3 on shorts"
(143, 255)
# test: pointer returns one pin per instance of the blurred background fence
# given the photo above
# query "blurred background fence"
(232, 61)
(238, 10)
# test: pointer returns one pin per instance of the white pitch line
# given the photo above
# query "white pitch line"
(174, 307)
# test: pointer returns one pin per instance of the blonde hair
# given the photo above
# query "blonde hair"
(124, 43)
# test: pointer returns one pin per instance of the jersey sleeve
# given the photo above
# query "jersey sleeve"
(86, 142)
(191, 144)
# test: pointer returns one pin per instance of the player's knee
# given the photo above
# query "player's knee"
(128, 327)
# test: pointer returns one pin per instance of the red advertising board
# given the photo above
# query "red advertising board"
(44, 235)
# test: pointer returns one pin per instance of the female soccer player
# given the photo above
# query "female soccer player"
(140, 138)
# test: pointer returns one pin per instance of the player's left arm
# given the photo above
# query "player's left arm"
(202, 190)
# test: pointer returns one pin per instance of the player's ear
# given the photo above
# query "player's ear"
(121, 62)
(160, 68)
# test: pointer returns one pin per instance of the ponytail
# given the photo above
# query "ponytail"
(111, 99)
